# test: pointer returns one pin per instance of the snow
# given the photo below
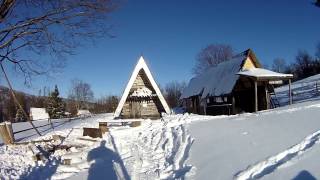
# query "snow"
(215, 81)
(156, 149)
(281, 143)
(260, 72)
(253, 143)
(141, 92)
(83, 112)
(38, 113)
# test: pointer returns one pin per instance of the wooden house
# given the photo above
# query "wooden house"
(142, 97)
(234, 86)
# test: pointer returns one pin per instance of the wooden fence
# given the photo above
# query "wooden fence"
(49, 124)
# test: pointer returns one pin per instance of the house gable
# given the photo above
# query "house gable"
(248, 64)
(141, 78)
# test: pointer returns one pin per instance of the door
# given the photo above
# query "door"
(135, 109)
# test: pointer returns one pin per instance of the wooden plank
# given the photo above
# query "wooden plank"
(135, 124)
(33, 142)
(86, 139)
(92, 132)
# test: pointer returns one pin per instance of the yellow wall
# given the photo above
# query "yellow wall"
(248, 64)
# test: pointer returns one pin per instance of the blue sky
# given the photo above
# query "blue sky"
(170, 33)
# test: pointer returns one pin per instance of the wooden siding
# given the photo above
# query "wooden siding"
(248, 64)
(142, 107)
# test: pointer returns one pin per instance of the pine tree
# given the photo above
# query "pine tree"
(55, 106)
(19, 115)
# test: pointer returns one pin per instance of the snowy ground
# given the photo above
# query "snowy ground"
(155, 150)
(250, 146)
(274, 144)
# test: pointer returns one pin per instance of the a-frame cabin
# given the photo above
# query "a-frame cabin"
(142, 97)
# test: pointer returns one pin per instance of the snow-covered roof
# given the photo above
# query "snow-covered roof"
(83, 112)
(217, 80)
(263, 73)
(141, 65)
(142, 92)
(38, 113)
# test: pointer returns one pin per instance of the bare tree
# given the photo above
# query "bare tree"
(279, 65)
(317, 3)
(318, 51)
(173, 92)
(105, 104)
(212, 55)
(81, 93)
(37, 35)
(304, 65)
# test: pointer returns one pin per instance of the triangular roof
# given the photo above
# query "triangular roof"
(141, 65)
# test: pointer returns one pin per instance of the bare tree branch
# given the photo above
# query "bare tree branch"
(32, 29)
(212, 55)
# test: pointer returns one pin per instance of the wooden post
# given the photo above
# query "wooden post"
(290, 93)
(233, 105)
(104, 127)
(255, 96)
(16, 100)
(205, 106)
(6, 133)
(10, 131)
(267, 96)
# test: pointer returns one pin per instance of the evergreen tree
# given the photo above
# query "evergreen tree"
(55, 106)
(19, 115)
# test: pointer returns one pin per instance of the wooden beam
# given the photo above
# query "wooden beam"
(233, 105)
(205, 106)
(255, 96)
(290, 93)
(267, 96)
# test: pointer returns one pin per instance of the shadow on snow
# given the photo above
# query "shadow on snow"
(103, 166)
